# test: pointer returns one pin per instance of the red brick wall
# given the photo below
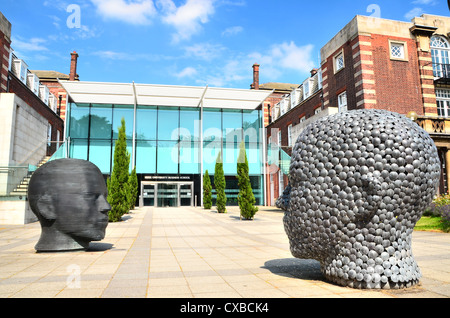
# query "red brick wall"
(269, 103)
(372, 79)
(398, 86)
(56, 89)
(306, 108)
(343, 80)
(5, 46)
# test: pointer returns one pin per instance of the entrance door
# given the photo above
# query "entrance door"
(186, 194)
(167, 195)
(148, 194)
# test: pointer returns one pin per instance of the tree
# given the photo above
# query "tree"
(118, 196)
(246, 199)
(133, 188)
(207, 198)
(220, 184)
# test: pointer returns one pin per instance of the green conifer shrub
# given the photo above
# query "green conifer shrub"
(118, 196)
(133, 188)
(220, 184)
(246, 199)
(207, 197)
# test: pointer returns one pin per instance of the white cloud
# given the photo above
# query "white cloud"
(280, 59)
(290, 56)
(286, 56)
(415, 12)
(426, 2)
(134, 12)
(232, 31)
(187, 72)
(188, 18)
(111, 55)
(34, 44)
(205, 51)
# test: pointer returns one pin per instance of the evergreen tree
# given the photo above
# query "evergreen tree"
(133, 188)
(207, 198)
(246, 199)
(220, 184)
(118, 196)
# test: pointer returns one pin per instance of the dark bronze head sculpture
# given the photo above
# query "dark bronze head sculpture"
(69, 198)
(359, 182)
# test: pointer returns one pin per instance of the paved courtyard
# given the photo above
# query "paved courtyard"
(193, 253)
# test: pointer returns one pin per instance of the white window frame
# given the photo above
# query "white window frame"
(289, 131)
(342, 102)
(403, 50)
(440, 55)
(443, 102)
(280, 183)
(339, 61)
(279, 137)
(49, 134)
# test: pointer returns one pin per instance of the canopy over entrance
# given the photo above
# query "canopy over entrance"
(164, 95)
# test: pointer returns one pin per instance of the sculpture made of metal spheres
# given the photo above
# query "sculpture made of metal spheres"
(359, 181)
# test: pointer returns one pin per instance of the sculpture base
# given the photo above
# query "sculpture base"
(371, 285)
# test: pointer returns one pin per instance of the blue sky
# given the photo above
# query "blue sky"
(189, 42)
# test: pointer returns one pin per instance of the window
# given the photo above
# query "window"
(280, 183)
(342, 102)
(49, 134)
(443, 102)
(339, 63)
(398, 50)
(289, 135)
(440, 56)
(100, 122)
(168, 123)
(306, 89)
(279, 138)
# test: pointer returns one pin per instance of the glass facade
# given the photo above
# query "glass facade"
(168, 142)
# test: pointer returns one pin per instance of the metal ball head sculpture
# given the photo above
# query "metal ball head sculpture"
(359, 182)
(69, 198)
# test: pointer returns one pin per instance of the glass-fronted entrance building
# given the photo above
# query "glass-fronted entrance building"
(174, 134)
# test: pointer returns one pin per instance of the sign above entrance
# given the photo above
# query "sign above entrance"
(168, 178)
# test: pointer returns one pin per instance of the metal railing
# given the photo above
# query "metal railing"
(441, 70)
(14, 178)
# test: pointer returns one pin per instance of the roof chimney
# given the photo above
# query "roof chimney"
(255, 84)
(73, 66)
(314, 71)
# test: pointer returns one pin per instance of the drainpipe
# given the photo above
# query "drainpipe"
(201, 145)
(134, 127)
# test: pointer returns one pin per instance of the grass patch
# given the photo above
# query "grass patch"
(431, 223)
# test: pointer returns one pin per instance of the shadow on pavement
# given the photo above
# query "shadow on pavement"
(99, 247)
(299, 268)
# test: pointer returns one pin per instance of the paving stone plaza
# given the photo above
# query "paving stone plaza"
(193, 253)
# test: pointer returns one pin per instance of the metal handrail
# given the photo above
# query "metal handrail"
(441, 70)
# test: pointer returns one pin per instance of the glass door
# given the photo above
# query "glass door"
(148, 194)
(186, 194)
(167, 195)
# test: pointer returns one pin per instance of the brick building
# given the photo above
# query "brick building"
(375, 63)
(30, 129)
(278, 91)
(51, 80)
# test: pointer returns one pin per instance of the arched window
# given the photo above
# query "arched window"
(440, 52)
